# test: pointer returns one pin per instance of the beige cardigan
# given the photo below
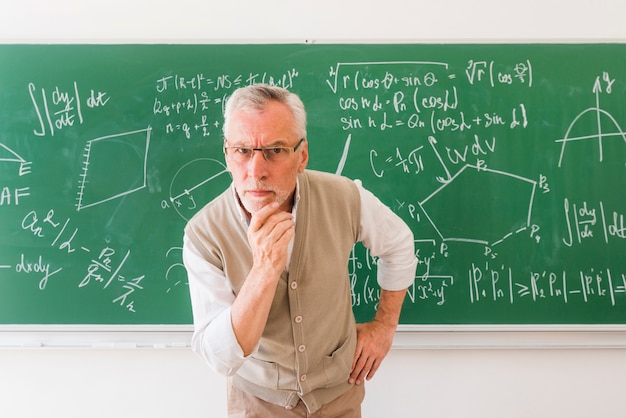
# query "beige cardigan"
(307, 347)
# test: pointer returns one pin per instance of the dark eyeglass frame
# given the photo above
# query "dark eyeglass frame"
(265, 151)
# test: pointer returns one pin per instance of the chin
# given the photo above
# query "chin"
(253, 205)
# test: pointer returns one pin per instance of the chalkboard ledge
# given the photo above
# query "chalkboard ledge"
(438, 337)
(95, 336)
(408, 337)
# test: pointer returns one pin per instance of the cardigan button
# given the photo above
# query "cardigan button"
(302, 348)
(294, 285)
(298, 319)
(303, 378)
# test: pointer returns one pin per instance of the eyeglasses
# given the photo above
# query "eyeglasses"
(242, 155)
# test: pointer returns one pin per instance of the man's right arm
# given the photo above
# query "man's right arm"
(227, 328)
(211, 300)
(269, 234)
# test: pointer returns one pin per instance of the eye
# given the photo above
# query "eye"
(244, 151)
(277, 151)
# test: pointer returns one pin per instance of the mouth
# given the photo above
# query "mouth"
(253, 200)
(258, 194)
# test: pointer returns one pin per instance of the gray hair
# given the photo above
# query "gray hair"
(256, 97)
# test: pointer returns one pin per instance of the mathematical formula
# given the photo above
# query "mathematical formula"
(502, 212)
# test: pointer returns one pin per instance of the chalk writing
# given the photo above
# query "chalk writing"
(62, 107)
(601, 116)
(507, 165)
(125, 143)
(201, 97)
(492, 283)
(61, 235)
(584, 222)
(27, 267)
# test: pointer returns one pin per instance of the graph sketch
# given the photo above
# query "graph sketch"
(113, 166)
(601, 118)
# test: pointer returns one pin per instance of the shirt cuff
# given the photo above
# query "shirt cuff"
(395, 278)
(218, 345)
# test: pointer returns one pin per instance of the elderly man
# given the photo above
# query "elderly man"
(267, 262)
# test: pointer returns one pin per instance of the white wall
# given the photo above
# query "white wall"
(78, 383)
(421, 383)
(321, 20)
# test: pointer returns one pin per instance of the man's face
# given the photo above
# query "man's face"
(258, 181)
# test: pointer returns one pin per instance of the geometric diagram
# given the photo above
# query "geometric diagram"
(598, 114)
(8, 155)
(197, 183)
(179, 266)
(113, 166)
(480, 205)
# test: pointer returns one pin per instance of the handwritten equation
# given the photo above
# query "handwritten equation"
(103, 269)
(507, 165)
(202, 98)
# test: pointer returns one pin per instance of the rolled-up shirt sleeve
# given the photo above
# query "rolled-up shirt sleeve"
(390, 239)
(213, 338)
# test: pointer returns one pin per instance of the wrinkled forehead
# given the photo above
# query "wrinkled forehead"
(273, 122)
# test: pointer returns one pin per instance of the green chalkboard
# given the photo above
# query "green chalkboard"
(507, 161)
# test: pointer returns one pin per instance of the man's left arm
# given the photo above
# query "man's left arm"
(389, 238)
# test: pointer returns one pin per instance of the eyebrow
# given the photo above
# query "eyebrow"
(277, 143)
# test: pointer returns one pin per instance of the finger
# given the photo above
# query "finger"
(260, 217)
(357, 355)
(360, 368)
(279, 221)
(270, 227)
(284, 232)
(373, 370)
(356, 369)
(363, 370)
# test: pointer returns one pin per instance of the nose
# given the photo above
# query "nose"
(257, 165)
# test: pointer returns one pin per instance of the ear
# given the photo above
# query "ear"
(304, 156)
